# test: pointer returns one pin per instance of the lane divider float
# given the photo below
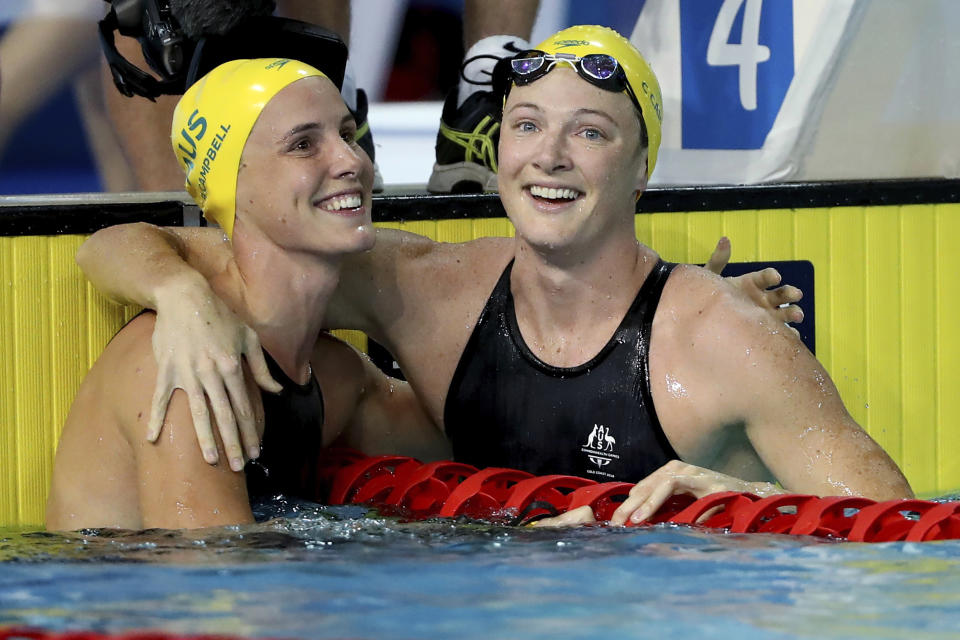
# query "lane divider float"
(399, 485)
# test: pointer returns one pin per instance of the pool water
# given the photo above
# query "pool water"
(337, 572)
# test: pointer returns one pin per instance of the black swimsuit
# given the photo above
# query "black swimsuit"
(291, 442)
(507, 408)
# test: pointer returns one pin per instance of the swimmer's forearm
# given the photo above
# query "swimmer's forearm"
(137, 263)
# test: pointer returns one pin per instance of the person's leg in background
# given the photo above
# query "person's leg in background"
(143, 127)
(111, 163)
(469, 129)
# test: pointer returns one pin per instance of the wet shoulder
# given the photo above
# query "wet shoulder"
(695, 296)
(133, 343)
(449, 270)
(704, 316)
(124, 374)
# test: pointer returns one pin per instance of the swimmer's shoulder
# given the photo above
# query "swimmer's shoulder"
(404, 246)
(133, 342)
(696, 296)
(414, 263)
(705, 321)
(122, 379)
(476, 256)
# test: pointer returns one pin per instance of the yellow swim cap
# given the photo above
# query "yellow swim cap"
(583, 40)
(213, 120)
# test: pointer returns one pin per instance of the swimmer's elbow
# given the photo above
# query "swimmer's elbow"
(93, 247)
(100, 245)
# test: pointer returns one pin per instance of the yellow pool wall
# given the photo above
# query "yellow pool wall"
(886, 315)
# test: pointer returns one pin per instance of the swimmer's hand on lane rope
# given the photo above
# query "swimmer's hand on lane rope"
(199, 344)
(781, 302)
(675, 478)
(648, 495)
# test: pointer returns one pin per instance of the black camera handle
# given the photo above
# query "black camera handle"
(129, 79)
(254, 37)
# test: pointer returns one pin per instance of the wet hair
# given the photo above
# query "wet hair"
(200, 18)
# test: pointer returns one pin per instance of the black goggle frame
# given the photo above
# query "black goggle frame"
(511, 71)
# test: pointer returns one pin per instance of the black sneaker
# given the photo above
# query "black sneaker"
(365, 137)
(467, 145)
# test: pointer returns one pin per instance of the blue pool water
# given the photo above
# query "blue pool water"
(335, 573)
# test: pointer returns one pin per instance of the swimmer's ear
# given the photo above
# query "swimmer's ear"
(641, 183)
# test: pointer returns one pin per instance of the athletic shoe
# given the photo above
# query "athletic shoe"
(365, 137)
(467, 145)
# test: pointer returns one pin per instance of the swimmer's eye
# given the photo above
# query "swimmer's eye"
(525, 126)
(349, 135)
(592, 134)
(302, 144)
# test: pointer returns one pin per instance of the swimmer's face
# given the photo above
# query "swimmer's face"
(303, 181)
(570, 162)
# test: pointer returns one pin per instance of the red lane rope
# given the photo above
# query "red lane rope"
(448, 489)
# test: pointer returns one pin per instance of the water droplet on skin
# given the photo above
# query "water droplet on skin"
(675, 388)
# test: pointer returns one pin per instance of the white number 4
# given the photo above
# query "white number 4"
(747, 55)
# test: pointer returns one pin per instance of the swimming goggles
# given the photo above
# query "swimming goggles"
(599, 69)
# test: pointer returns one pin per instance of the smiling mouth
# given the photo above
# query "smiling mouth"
(553, 195)
(343, 203)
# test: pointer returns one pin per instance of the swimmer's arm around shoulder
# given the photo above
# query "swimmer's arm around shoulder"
(114, 477)
(143, 264)
(198, 341)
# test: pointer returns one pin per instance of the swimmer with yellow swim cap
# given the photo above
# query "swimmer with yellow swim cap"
(269, 153)
(572, 348)
(601, 57)
(213, 121)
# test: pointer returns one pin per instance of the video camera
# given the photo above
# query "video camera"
(179, 60)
